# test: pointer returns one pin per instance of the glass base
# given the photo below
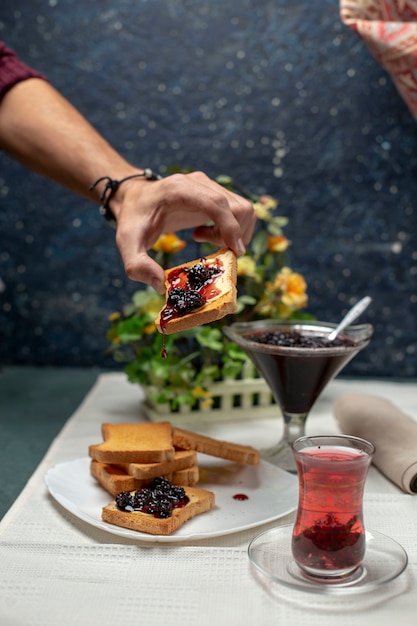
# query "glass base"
(282, 456)
(270, 552)
(352, 578)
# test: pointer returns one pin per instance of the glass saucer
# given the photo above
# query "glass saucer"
(270, 552)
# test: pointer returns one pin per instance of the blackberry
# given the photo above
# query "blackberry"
(175, 295)
(199, 274)
(152, 506)
(140, 499)
(184, 300)
(177, 493)
(159, 494)
(161, 483)
(123, 500)
(164, 509)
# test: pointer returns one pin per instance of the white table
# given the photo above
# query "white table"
(57, 570)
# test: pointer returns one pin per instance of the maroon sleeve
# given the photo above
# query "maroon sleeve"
(13, 70)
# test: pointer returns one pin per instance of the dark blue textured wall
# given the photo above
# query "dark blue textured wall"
(281, 95)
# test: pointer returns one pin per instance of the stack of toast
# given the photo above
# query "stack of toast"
(132, 455)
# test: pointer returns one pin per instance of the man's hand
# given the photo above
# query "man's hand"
(146, 209)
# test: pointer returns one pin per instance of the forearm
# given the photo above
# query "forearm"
(43, 131)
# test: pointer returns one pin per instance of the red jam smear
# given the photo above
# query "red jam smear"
(240, 496)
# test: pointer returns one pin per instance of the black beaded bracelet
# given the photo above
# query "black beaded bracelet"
(112, 186)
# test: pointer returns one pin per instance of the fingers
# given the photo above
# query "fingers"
(137, 263)
(210, 234)
(194, 200)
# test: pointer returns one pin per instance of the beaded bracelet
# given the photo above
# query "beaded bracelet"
(112, 186)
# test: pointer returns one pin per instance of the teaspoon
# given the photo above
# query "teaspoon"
(350, 316)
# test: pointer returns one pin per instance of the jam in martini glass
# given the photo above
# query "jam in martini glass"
(297, 360)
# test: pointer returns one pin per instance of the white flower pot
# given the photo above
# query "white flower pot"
(232, 400)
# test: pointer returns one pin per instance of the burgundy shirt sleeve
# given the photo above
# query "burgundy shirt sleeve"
(13, 70)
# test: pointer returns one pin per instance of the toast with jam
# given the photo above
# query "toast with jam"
(138, 510)
(199, 292)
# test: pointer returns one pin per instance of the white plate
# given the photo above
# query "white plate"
(272, 493)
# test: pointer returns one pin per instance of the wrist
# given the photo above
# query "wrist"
(110, 195)
(98, 187)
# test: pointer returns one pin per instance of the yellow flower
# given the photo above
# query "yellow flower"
(204, 396)
(277, 243)
(246, 266)
(114, 316)
(263, 207)
(169, 243)
(206, 404)
(149, 329)
(293, 288)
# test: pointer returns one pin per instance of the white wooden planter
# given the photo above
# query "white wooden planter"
(241, 399)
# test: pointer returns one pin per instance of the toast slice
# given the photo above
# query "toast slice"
(181, 460)
(201, 501)
(187, 477)
(114, 480)
(134, 443)
(236, 452)
(199, 292)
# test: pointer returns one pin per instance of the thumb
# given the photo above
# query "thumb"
(144, 269)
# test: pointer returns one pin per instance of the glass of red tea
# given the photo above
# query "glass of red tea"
(328, 538)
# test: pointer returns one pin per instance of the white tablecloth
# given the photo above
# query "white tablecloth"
(56, 570)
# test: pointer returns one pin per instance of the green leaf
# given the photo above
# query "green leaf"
(247, 299)
(274, 229)
(258, 243)
(232, 369)
(210, 337)
(233, 351)
(208, 374)
(225, 181)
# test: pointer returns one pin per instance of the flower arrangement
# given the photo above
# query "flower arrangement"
(267, 288)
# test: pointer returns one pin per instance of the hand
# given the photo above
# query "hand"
(146, 209)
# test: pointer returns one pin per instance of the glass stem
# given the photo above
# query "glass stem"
(294, 426)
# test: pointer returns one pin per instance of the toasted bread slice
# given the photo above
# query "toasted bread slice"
(238, 453)
(200, 502)
(219, 293)
(114, 480)
(181, 460)
(134, 443)
(187, 477)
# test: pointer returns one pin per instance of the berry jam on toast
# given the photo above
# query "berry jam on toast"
(199, 292)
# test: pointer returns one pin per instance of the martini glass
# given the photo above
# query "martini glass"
(296, 375)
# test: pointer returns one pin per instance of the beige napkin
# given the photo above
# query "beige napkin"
(393, 434)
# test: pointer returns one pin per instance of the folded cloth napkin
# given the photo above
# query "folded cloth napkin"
(389, 28)
(393, 433)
